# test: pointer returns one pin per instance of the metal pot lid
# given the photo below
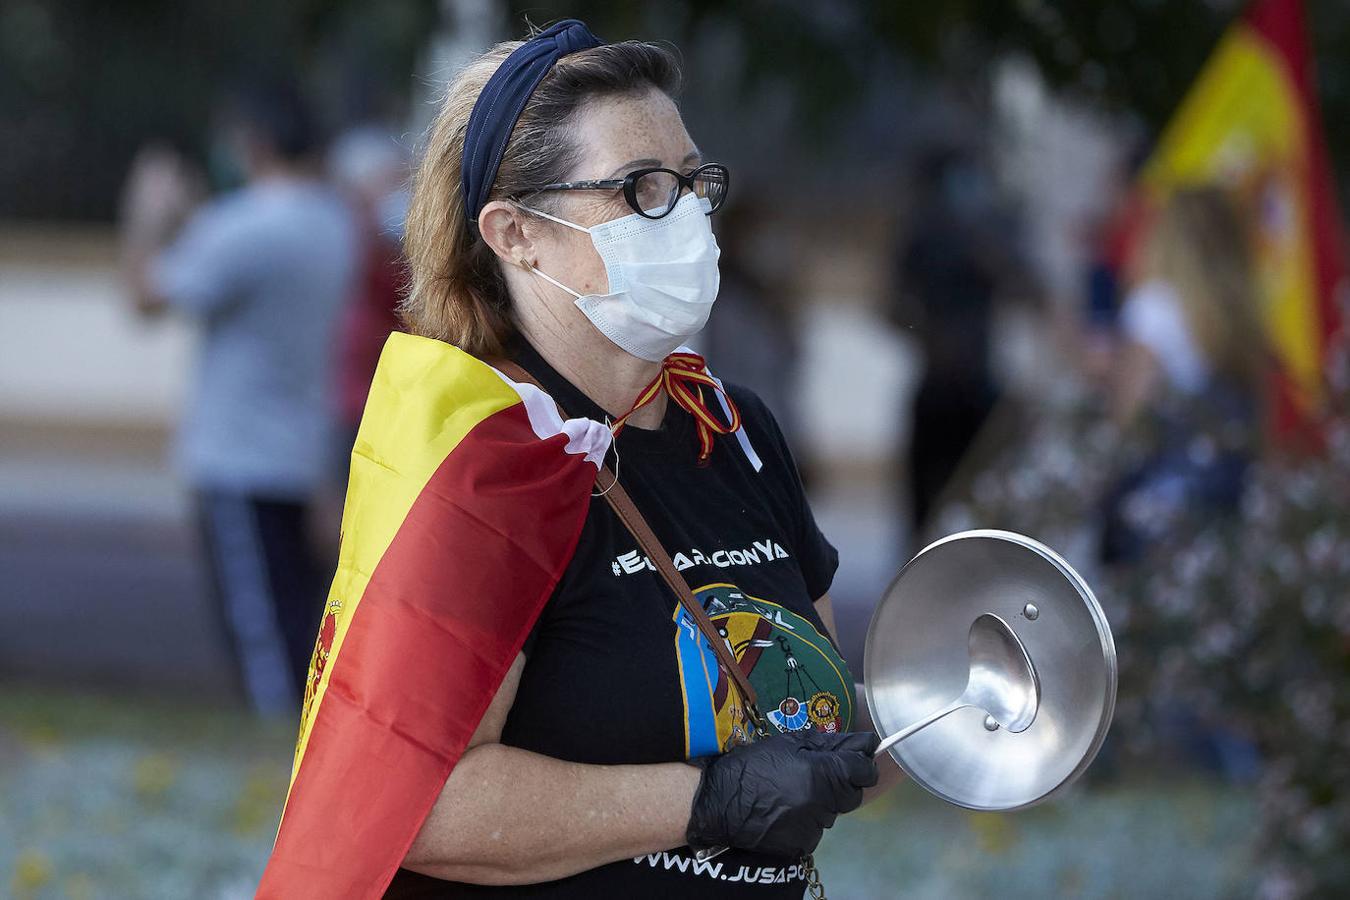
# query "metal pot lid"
(916, 661)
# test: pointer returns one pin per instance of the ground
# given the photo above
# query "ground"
(124, 798)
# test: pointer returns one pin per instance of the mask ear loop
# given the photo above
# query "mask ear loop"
(530, 266)
(615, 445)
(551, 280)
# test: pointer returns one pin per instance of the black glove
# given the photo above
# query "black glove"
(779, 794)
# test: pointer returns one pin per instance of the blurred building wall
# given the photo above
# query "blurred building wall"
(72, 351)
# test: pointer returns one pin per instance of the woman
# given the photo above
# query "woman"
(1192, 364)
(560, 219)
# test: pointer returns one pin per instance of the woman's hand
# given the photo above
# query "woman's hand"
(778, 795)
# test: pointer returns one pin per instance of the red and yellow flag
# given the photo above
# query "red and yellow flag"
(1252, 122)
(466, 500)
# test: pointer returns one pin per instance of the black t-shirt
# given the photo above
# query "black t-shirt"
(616, 671)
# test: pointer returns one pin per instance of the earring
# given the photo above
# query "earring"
(524, 264)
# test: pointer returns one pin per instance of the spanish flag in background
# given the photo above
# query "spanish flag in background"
(1252, 122)
(467, 497)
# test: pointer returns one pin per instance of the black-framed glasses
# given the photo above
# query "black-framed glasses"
(652, 193)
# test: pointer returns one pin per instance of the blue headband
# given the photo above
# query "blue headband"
(504, 97)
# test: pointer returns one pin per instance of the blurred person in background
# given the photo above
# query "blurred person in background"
(263, 270)
(1188, 386)
(1191, 366)
(946, 278)
(371, 169)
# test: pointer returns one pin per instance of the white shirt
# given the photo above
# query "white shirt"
(1152, 316)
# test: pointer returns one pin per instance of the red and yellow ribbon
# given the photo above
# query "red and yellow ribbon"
(684, 376)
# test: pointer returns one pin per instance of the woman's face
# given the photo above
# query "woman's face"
(614, 135)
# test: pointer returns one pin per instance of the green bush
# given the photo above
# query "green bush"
(1243, 619)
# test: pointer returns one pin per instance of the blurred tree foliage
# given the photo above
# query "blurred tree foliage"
(82, 83)
(1232, 631)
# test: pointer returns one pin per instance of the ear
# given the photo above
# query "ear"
(503, 228)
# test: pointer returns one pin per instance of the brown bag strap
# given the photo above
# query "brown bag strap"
(628, 513)
(633, 520)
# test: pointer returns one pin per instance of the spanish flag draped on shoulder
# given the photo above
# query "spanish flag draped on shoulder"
(1252, 123)
(466, 501)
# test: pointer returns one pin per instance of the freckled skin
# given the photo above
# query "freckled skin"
(610, 132)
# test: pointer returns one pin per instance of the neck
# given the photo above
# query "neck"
(607, 374)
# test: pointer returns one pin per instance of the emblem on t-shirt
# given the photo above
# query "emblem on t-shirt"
(801, 680)
(823, 708)
(821, 711)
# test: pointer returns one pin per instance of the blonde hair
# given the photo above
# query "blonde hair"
(1200, 246)
(457, 293)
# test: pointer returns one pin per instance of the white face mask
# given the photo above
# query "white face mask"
(662, 278)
